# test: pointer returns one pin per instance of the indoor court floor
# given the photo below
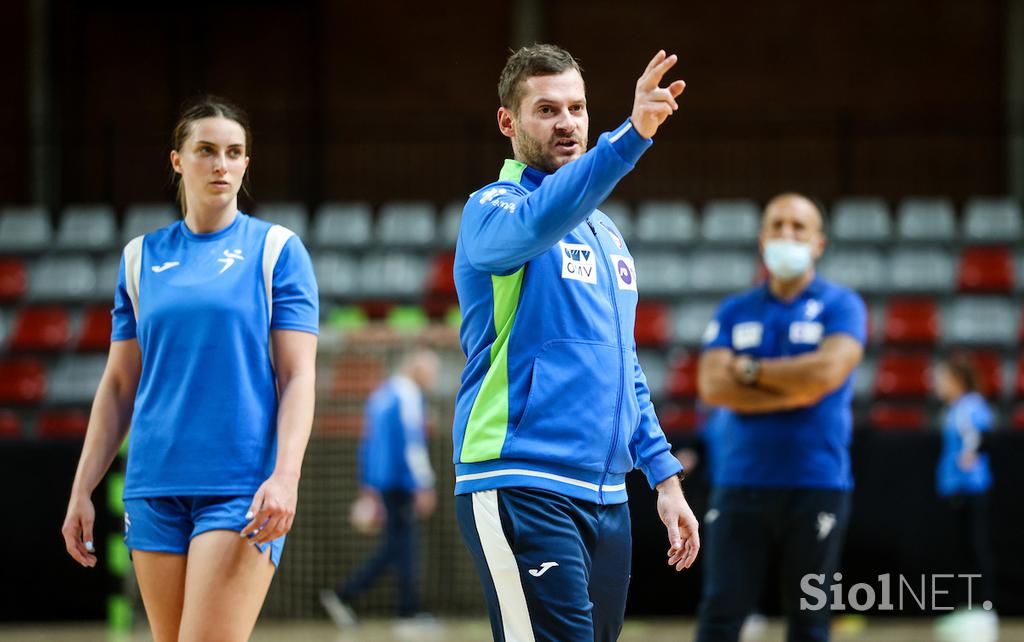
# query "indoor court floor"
(661, 630)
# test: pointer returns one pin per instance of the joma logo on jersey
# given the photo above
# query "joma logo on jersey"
(578, 262)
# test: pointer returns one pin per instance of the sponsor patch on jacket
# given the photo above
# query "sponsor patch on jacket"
(805, 332)
(625, 271)
(747, 335)
(578, 262)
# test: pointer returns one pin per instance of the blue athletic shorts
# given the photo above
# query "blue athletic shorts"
(168, 524)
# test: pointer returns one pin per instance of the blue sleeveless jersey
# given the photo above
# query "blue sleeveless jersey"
(202, 307)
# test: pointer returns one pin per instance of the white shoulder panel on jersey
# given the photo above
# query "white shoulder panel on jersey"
(133, 271)
(273, 244)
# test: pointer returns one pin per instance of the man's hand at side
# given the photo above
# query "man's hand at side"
(675, 513)
(653, 104)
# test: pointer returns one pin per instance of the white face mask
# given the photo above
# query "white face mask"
(787, 259)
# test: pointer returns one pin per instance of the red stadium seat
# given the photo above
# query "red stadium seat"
(441, 279)
(22, 381)
(653, 324)
(1019, 387)
(682, 377)
(989, 366)
(675, 419)
(911, 321)
(41, 328)
(1017, 418)
(986, 269)
(63, 424)
(10, 424)
(13, 279)
(96, 326)
(898, 417)
(903, 374)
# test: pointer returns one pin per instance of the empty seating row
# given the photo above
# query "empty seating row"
(893, 375)
(418, 224)
(934, 270)
(72, 380)
(59, 277)
(54, 328)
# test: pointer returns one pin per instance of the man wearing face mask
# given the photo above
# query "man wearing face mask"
(780, 359)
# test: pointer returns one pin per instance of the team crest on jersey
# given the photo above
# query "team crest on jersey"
(578, 262)
(625, 272)
(813, 308)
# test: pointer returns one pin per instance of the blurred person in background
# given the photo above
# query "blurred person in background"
(963, 481)
(554, 408)
(212, 364)
(780, 359)
(396, 487)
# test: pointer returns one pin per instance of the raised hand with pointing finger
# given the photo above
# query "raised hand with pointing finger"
(653, 104)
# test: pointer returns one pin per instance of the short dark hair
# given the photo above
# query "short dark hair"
(534, 60)
(206, 107)
(964, 370)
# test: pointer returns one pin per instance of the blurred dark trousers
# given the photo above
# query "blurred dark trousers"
(973, 540)
(398, 550)
(745, 530)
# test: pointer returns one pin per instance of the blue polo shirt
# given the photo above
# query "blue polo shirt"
(966, 419)
(801, 448)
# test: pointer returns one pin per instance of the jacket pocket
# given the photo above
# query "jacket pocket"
(570, 411)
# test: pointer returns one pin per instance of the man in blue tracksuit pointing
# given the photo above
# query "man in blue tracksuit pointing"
(554, 408)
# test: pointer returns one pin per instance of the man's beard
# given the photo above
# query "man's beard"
(536, 154)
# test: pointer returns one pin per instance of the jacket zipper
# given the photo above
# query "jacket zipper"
(618, 397)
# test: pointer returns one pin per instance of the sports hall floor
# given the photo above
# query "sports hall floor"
(883, 630)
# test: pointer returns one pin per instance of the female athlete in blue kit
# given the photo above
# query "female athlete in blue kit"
(215, 325)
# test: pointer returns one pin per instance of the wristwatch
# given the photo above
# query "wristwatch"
(749, 370)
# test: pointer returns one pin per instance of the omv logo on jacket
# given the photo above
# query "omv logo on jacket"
(578, 262)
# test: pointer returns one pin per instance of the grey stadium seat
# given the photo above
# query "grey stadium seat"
(666, 222)
(863, 269)
(75, 378)
(655, 369)
(87, 227)
(661, 273)
(980, 320)
(864, 379)
(920, 219)
(721, 271)
(337, 275)
(731, 221)
(691, 319)
(621, 214)
(448, 228)
(143, 219)
(5, 328)
(860, 220)
(921, 270)
(409, 224)
(106, 277)
(343, 225)
(290, 215)
(992, 220)
(62, 278)
(25, 229)
(392, 274)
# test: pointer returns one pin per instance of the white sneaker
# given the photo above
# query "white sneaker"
(975, 625)
(342, 614)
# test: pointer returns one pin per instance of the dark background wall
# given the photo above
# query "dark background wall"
(394, 100)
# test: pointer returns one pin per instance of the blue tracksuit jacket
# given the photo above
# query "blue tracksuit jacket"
(553, 396)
